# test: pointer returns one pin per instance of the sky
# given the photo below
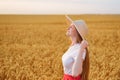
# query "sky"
(59, 6)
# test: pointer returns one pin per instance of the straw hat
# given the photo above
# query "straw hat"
(80, 26)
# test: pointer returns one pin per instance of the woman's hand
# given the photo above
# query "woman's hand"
(84, 44)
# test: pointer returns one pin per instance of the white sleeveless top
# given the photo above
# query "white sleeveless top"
(69, 57)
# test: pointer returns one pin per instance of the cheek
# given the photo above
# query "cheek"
(70, 32)
(74, 33)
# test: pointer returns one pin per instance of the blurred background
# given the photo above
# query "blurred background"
(33, 40)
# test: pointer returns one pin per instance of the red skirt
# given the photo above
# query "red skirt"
(69, 77)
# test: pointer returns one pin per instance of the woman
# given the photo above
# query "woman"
(76, 59)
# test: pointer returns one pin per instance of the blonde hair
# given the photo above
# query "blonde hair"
(85, 70)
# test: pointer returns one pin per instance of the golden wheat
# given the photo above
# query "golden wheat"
(33, 51)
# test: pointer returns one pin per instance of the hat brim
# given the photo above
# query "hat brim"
(69, 21)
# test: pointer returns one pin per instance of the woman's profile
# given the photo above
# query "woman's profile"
(76, 59)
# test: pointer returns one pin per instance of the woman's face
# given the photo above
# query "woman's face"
(71, 30)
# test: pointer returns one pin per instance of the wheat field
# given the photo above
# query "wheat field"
(31, 47)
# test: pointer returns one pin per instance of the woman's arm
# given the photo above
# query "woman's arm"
(77, 66)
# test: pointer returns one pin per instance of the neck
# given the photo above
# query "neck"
(74, 40)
